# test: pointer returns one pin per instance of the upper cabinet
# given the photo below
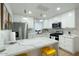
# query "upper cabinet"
(68, 20)
(54, 20)
(48, 23)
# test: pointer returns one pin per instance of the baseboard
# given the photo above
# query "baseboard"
(67, 51)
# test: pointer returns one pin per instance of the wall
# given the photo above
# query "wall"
(29, 20)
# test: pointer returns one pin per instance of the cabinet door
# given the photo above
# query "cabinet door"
(66, 44)
(68, 20)
(54, 20)
(69, 45)
(61, 41)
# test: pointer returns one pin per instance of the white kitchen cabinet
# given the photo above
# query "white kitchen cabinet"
(48, 23)
(67, 43)
(61, 41)
(68, 20)
(54, 20)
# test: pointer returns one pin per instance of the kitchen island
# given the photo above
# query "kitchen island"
(29, 46)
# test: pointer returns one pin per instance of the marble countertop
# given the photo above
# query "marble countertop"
(70, 35)
(26, 45)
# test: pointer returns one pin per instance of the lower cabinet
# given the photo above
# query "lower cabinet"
(66, 44)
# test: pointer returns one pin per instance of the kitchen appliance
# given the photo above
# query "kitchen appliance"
(56, 34)
(56, 25)
(21, 30)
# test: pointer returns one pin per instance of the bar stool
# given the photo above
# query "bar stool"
(47, 51)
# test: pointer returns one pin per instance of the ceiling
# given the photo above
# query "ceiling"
(49, 9)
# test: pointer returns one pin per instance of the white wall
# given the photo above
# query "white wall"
(28, 20)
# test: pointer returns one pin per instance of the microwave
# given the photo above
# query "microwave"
(56, 25)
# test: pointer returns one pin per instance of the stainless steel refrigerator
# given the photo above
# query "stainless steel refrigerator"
(21, 30)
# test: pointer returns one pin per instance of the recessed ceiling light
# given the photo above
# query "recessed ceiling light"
(58, 8)
(70, 14)
(41, 20)
(44, 15)
(30, 12)
(24, 18)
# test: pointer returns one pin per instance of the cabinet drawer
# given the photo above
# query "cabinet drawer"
(69, 45)
(66, 43)
(61, 41)
(60, 44)
(69, 48)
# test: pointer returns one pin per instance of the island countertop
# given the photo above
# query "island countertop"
(27, 45)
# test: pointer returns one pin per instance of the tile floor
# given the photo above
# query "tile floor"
(63, 53)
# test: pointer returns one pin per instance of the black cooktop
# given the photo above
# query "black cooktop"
(56, 34)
